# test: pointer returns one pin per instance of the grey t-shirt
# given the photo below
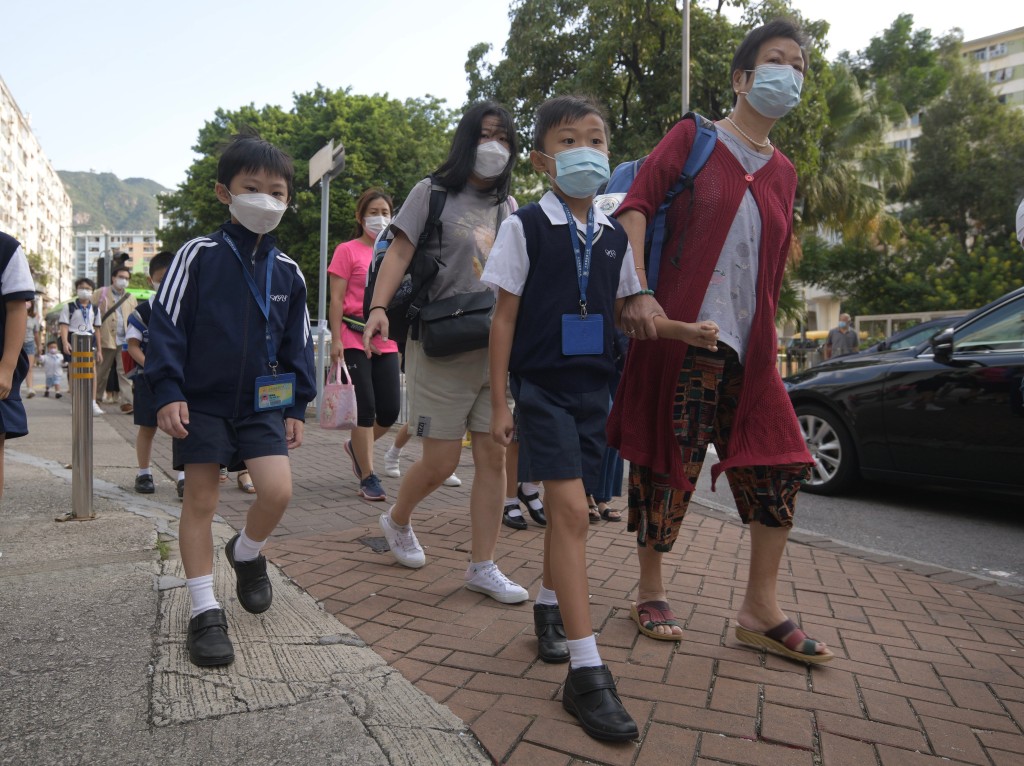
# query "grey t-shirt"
(842, 343)
(731, 297)
(469, 223)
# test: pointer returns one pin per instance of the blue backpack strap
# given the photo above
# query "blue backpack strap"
(703, 144)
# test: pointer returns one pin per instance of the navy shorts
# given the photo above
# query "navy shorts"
(561, 435)
(144, 403)
(230, 441)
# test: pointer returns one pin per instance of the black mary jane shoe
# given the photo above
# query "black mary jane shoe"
(252, 586)
(514, 522)
(547, 624)
(207, 642)
(590, 695)
(537, 514)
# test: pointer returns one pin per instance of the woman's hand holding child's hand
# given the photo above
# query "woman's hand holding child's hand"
(702, 334)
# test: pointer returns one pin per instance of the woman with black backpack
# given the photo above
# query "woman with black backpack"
(448, 387)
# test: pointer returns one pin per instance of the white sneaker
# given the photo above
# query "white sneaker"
(96, 409)
(491, 582)
(403, 543)
(453, 481)
(391, 467)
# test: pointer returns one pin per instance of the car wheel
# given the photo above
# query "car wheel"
(835, 460)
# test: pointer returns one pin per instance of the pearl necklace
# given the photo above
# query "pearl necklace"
(758, 144)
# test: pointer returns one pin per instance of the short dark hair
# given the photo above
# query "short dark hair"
(118, 268)
(455, 170)
(559, 110)
(746, 55)
(368, 196)
(161, 260)
(247, 152)
(85, 281)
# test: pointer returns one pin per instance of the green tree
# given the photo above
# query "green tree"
(905, 67)
(968, 163)
(388, 143)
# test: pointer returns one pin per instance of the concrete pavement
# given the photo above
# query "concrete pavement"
(930, 665)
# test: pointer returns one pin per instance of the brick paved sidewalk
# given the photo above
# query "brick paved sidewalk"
(930, 665)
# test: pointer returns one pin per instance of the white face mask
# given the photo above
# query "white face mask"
(259, 213)
(121, 283)
(491, 159)
(375, 224)
(85, 294)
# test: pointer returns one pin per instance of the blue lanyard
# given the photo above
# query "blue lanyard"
(264, 302)
(86, 315)
(582, 262)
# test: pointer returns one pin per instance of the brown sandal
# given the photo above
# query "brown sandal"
(246, 484)
(652, 614)
(786, 640)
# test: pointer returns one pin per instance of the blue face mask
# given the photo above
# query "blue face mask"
(776, 90)
(842, 324)
(580, 172)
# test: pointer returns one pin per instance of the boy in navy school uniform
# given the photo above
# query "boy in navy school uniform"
(82, 317)
(563, 269)
(230, 365)
(144, 413)
(16, 288)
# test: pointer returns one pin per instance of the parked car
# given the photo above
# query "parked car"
(947, 411)
(913, 336)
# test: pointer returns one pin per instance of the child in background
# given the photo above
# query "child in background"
(16, 288)
(144, 415)
(53, 366)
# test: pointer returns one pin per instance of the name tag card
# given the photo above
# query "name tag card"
(275, 392)
(582, 335)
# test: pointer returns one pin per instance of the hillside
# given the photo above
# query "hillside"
(102, 200)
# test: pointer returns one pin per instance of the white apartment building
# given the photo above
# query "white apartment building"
(35, 208)
(140, 246)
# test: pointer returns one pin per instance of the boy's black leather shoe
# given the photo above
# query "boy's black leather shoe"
(252, 586)
(590, 695)
(208, 643)
(547, 623)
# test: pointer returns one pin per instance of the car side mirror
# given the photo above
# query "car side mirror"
(942, 345)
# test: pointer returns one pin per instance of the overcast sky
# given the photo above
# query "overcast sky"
(124, 87)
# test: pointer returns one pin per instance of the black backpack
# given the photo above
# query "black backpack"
(411, 294)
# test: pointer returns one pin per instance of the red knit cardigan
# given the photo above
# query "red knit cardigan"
(765, 430)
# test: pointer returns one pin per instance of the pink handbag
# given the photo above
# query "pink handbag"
(339, 406)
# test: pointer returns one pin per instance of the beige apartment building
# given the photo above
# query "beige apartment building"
(90, 246)
(35, 208)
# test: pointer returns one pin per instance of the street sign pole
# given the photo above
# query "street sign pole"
(323, 166)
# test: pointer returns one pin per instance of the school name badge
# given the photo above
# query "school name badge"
(275, 392)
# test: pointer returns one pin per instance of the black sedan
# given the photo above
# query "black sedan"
(947, 412)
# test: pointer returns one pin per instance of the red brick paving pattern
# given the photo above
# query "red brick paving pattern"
(929, 667)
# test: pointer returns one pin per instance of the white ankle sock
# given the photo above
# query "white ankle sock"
(546, 597)
(475, 566)
(516, 510)
(145, 472)
(583, 652)
(393, 453)
(394, 524)
(200, 591)
(181, 475)
(247, 549)
(529, 487)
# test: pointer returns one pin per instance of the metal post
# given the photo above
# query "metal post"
(325, 198)
(686, 57)
(81, 374)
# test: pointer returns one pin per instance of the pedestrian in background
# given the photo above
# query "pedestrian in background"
(842, 340)
(450, 395)
(376, 378)
(16, 289)
(32, 345)
(80, 317)
(116, 303)
(53, 369)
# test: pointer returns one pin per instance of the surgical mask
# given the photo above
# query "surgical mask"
(85, 294)
(259, 213)
(776, 90)
(580, 172)
(375, 224)
(491, 159)
(120, 284)
(842, 325)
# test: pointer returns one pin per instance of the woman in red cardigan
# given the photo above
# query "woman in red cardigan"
(676, 400)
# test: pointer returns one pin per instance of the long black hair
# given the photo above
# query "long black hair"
(455, 171)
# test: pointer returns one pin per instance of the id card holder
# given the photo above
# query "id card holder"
(582, 335)
(275, 392)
